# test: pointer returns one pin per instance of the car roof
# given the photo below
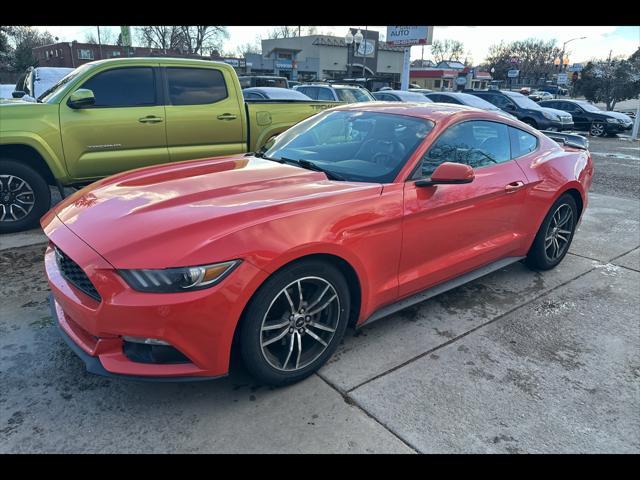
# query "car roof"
(430, 111)
(278, 93)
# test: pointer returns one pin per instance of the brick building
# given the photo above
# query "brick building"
(74, 54)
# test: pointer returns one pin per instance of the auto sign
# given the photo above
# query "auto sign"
(409, 35)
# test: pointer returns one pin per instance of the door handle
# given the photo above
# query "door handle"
(227, 116)
(513, 187)
(150, 119)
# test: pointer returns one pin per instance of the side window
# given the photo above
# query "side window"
(123, 87)
(521, 142)
(499, 101)
(195, 86)
(252, 96)
(311, 92)
(477, 143)
(325, 94)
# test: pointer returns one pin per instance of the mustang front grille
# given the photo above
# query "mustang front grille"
(75, 275)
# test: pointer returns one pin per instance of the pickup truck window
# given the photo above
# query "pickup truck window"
(123, 87)
(195, 86)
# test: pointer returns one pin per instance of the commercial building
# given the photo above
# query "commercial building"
(324, 57)
(448, 75)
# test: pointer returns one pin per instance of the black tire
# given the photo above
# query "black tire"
(251, 334)
(598, 129)
(530, 122)
(41, 196)
(539, 257)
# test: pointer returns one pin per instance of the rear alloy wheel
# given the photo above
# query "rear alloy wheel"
(597, 129)
(24, 196)
(295, 322)
(554, 237)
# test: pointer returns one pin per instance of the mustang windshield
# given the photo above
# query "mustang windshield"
(357, 146)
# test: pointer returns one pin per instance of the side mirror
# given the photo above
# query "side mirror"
(81, 98)
(18, 94)
(449, 173)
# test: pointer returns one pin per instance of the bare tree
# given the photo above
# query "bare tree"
(107, 37)
(249, 47)
(532, 57)
(443, 50)
(203, 39)
(161, 36)
(283, 32)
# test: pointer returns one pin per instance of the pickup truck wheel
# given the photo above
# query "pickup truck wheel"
(294, 322)
(24, 196)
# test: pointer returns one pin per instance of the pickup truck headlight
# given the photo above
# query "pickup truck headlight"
(183, 279)
(551, 116)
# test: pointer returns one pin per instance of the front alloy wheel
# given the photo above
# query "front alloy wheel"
(597, 129)
(300, 323)
(294, 322)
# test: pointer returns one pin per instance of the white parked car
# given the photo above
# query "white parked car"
(38, 80)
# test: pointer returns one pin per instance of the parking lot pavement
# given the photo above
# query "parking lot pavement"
(617, 166)
(559, 375)
(48, 403)
(516, 361)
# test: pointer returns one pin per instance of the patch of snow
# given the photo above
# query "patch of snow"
(47, 77)
(608, 269)
(6, 90)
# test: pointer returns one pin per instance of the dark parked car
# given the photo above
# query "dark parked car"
(460, 98)
(554, 90)
(263, 81)
(527, 110)
(588, 117)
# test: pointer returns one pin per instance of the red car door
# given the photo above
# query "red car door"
(449, 230)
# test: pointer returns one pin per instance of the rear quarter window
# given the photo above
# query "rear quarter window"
(522, 142)
(195, 86)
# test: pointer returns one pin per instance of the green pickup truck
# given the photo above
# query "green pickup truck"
(114, 115)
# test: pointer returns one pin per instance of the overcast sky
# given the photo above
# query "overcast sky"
(477, 40)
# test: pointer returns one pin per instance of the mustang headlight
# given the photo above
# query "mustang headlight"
(551, 116)
(181, 279)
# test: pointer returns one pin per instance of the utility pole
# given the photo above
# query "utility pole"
(99, 43)
(636, 123)
(406, 64)
(364, 57)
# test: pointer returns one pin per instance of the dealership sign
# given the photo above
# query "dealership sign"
(513, 73)
(366, 49)
(408, 35)
(562, 78)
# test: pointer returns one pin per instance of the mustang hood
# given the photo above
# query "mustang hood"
(192, 203)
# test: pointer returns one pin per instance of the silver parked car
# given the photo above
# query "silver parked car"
(273, 93)
(401, 96)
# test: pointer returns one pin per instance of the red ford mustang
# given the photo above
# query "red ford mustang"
(347, 217)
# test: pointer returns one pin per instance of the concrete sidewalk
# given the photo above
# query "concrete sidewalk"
(516, 361)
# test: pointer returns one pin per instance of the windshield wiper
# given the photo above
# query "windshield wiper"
(262, 155)
(313, 166)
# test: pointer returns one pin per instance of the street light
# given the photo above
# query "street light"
(564, 61)
(356, 40)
